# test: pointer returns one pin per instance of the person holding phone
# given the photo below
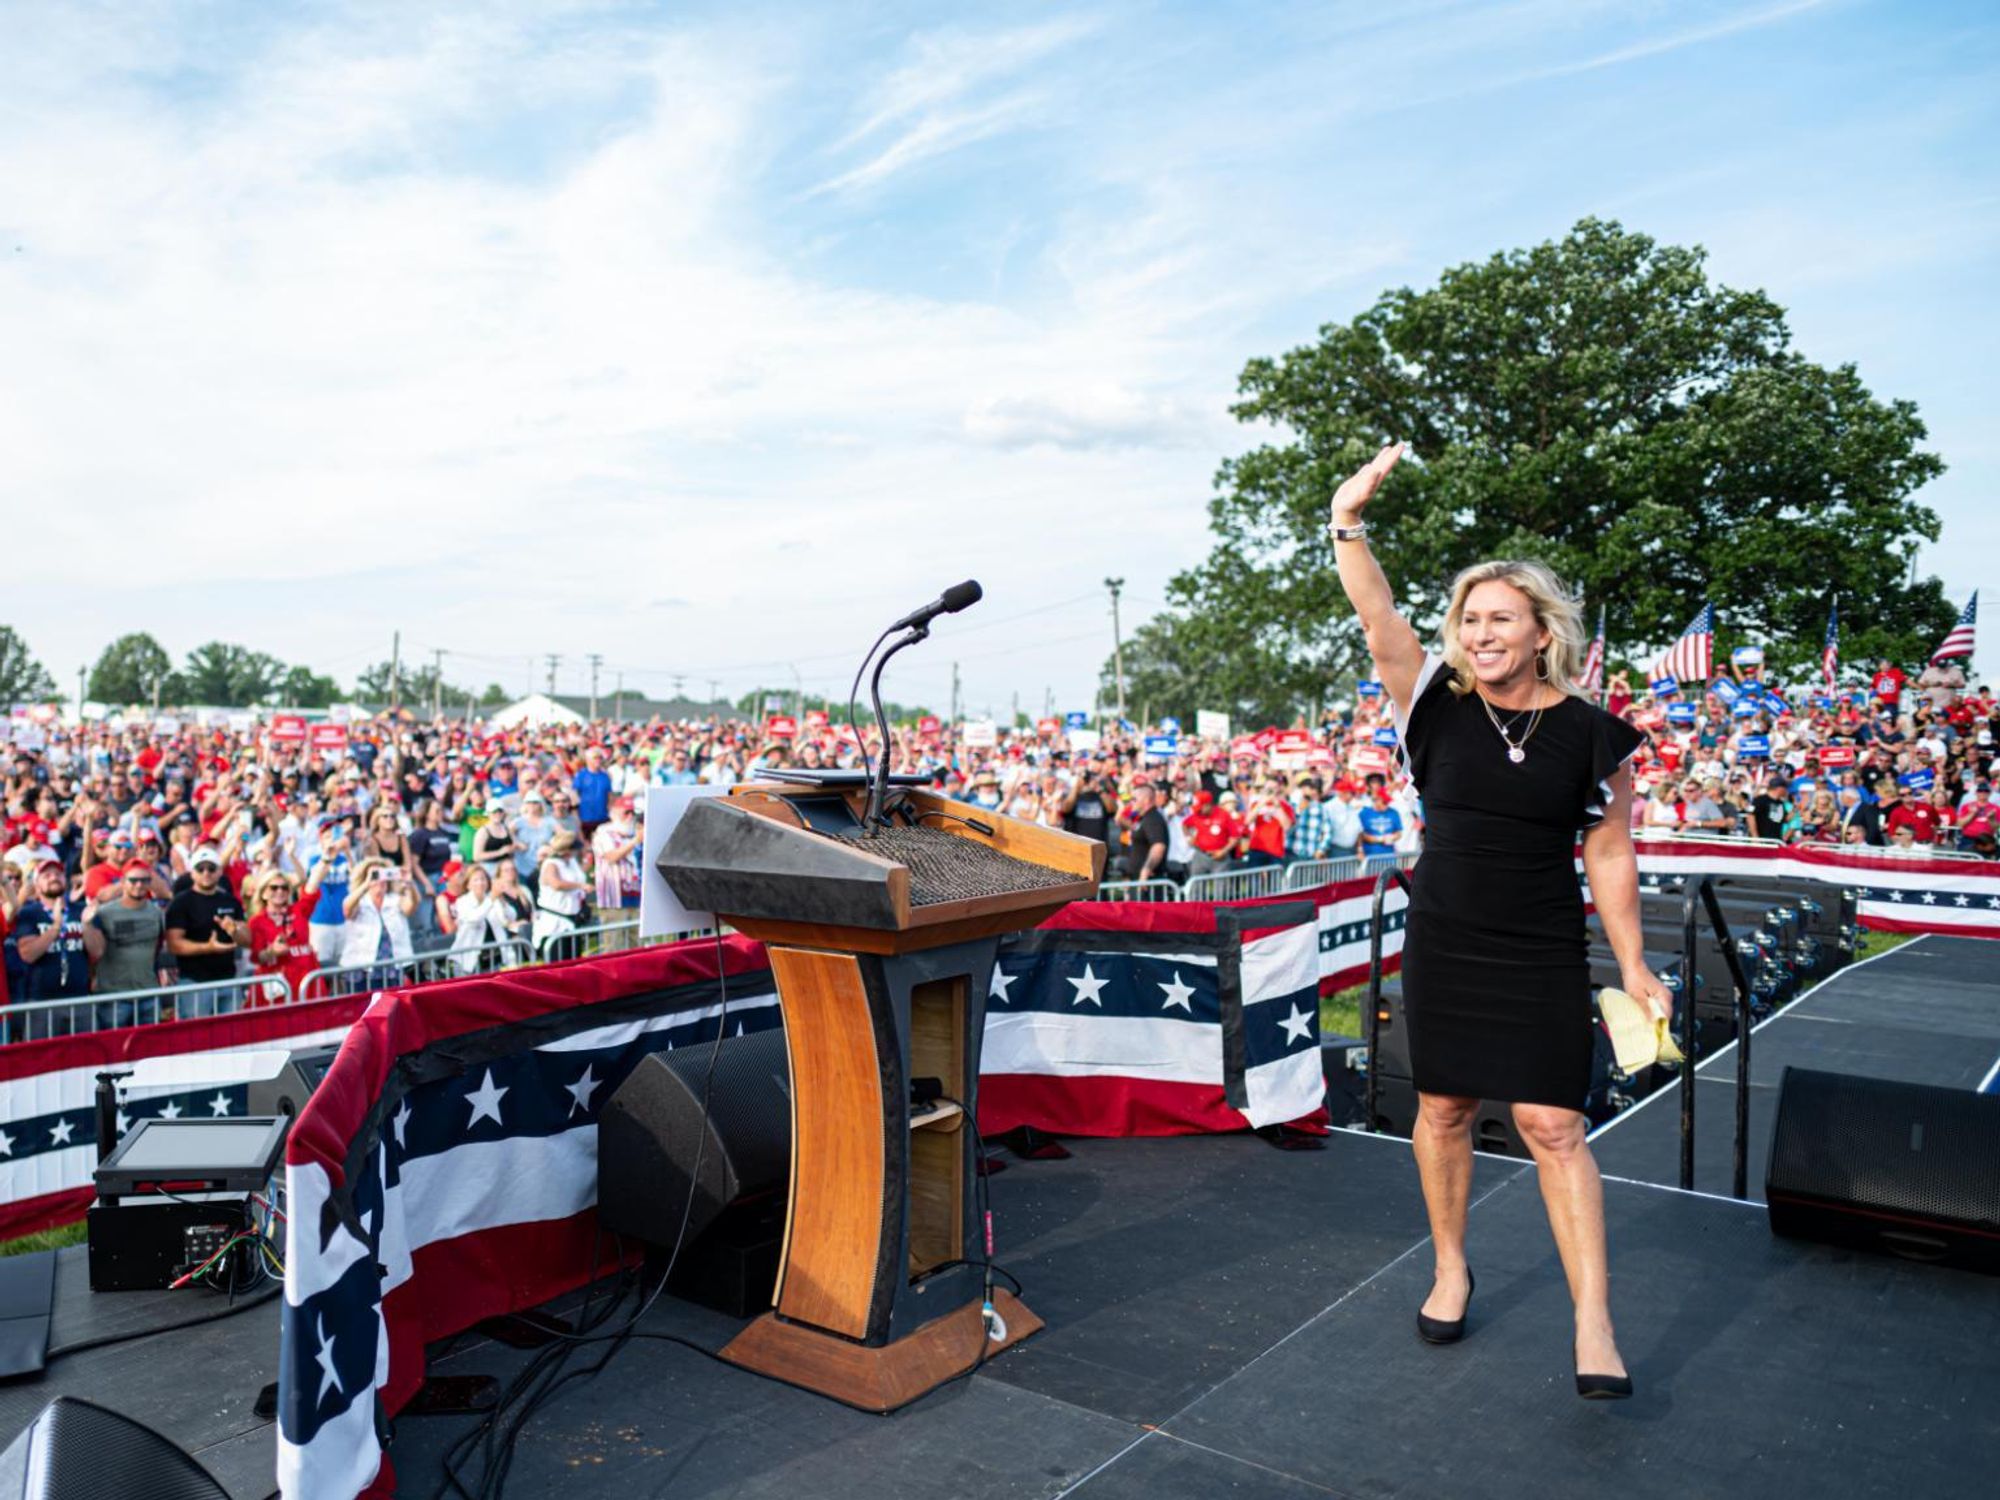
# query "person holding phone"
(376, 934)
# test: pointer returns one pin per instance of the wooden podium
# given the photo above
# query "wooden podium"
(882, 948)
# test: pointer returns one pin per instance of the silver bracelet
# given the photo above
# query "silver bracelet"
(1350, 533)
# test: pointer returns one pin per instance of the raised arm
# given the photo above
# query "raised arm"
(1397, 653)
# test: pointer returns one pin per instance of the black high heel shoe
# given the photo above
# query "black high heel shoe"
(1600, 1387)
(1438, 1330)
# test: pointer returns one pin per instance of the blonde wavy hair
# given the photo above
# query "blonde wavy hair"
(1555, 610)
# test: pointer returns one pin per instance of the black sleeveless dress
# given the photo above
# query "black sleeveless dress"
(1496, 981)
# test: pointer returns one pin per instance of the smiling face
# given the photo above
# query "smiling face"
(1500, 635)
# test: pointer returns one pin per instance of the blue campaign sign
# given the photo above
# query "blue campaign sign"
(1680, 713)
(1170, 726)
(1754, 747)
(1162, 746)
(1663, 685)
(1386, 736)
(1076, 719)
(1368, 689)
(1776, 704)
(1748, 656)
(1917, 781)
(1745, 709)
(1726, 690)
(1821, 701)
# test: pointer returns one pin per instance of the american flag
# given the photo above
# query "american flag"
(1958, 641)
(1593, 662)
(1829, 656)
(1692, 657)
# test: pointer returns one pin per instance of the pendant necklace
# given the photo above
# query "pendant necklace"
(1516, 749)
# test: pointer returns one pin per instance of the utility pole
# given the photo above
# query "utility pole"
(1117, 644)
(82, 673)
(954, 694)
(596, 660)
(396, 671)
(678, 680)
(714, 687)
(437, 682)
(1015, 721)
(554, 661)
(618, 713)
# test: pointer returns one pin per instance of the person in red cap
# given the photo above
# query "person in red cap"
(615, 851)
(1214, 830)
(281, 932)
(57, 943)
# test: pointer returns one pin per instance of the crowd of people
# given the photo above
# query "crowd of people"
(217, 859)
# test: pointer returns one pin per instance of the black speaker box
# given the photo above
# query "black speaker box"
(654, 1127)
(1908, 1168)
(286, 1091)
(74, 1450)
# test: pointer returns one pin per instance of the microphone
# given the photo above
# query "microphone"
(950, 602)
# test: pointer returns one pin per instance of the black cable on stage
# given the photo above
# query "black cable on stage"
(242, 1304)
(545, 1374)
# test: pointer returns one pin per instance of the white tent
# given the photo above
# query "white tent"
(535, 710)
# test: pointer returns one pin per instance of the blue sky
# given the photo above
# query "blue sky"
(709, 338)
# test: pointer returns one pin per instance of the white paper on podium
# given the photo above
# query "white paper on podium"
(660, 911)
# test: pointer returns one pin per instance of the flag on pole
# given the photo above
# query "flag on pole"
(1692, 657)
(1592, 679)
(1958, 641)
(1829, 656)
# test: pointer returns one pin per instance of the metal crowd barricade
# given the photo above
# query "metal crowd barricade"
(418, 968)
(34, 1020)
(1304, 874)
(1138, 890)
(608, 937)
(1235, 885)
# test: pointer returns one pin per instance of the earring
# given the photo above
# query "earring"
(1541, 667)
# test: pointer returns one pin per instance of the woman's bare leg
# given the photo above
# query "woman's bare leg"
(1574, 1195)
(1442, 1140)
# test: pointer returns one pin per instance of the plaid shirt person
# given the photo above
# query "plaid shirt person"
(1311, 835)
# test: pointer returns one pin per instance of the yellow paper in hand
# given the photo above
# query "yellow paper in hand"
(1639, 1038)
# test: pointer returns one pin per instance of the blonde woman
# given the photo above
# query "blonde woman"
(1514, 764)
(559, 893)
(378, 908)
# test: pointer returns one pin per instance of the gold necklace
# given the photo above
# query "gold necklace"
(1516, 749)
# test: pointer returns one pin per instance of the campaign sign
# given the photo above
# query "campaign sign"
(1161, 746)
(781, 726)
(1822, 702)
(1077, 719)
(1776, 704)
(981, 734)
(288, 729)
(1368, 689)
(816, 718)
(327, 736)
(1292, 742)
(1247, 747)
(1680, 713)
(1321, 759)
(1834, 757)
(1211, 725)
(1917, 781)
(1745, 709)
(1726, 690)
(1170, 726)
(1048, 726)
(1371, 759)
(1754, 747)
(928, 724)
(1386, 736)
(1662, 686)
(1748, 656)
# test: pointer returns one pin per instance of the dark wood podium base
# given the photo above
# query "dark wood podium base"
(878, 1379)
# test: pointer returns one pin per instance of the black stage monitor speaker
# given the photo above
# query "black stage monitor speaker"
(76, 1451)
(286, 1092)
(1910, 1168)
(652, 1128)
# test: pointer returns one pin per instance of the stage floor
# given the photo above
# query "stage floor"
(1229, 1319)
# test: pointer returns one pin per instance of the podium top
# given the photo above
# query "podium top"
(768, 860)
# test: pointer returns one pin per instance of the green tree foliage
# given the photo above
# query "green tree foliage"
(22, 678)
(414, 686)
(1594, 402)
(224, 675)
(135, 668)
(302, 687)
(495, 696)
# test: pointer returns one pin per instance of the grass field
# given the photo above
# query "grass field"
(44, 1239)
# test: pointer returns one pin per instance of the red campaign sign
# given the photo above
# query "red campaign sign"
(1371, 758)
(1320, 758)
(1246, 746)
(1265, 738)
(928, 724)
(288, 729)
(781, 726)
(1048, 726)
(327, 736)
(816, 718)
(1294, 742)
(1837, 755)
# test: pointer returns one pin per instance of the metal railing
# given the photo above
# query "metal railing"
(1235, 885)
(1304, 874)
(1371, 1024)
(1139, 890)
(1702, 890)
(35, 1020)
